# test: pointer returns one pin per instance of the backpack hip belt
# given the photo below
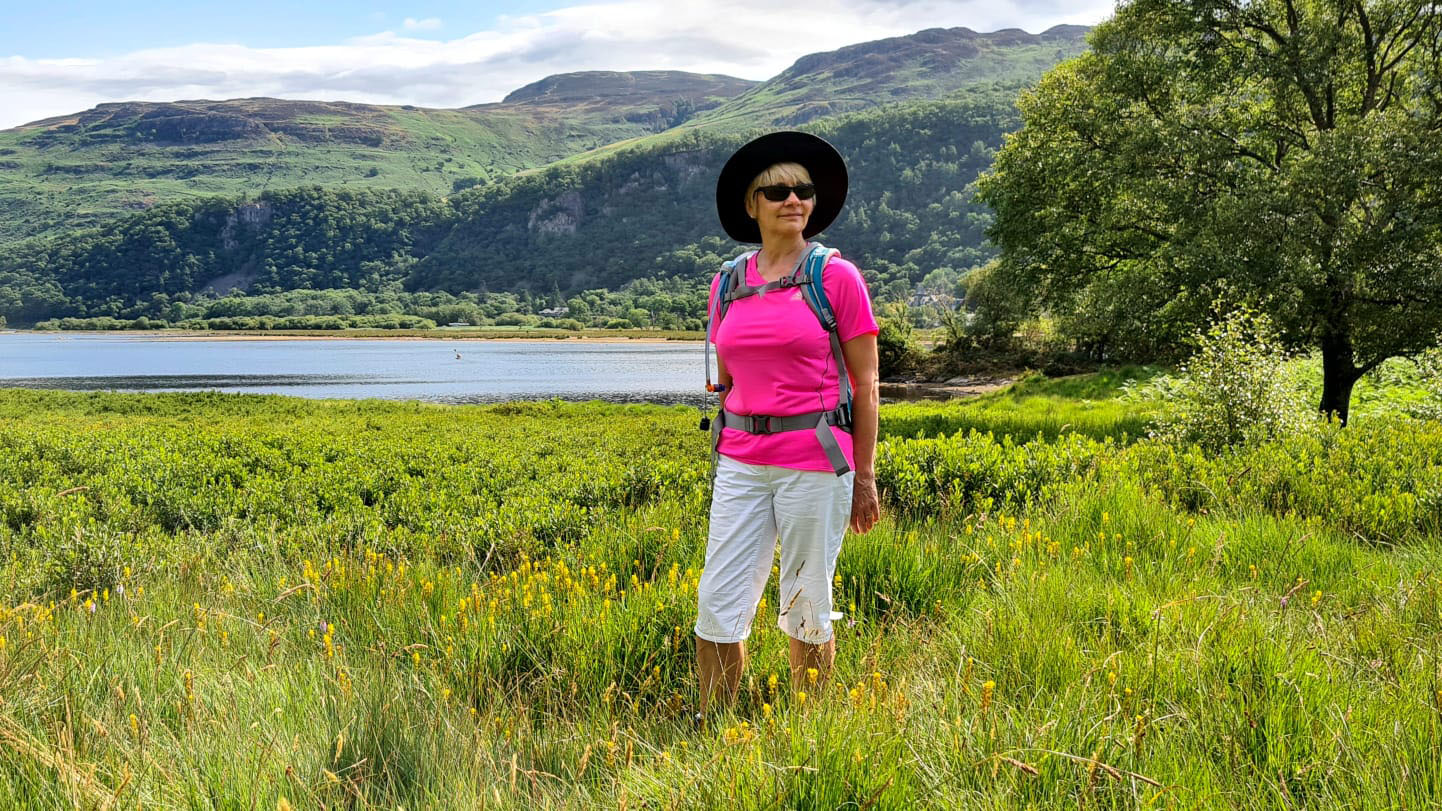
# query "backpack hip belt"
(762, 424)
(818, 421)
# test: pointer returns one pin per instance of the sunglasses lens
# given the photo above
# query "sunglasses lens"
(776, 194)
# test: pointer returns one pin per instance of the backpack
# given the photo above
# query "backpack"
(807, 275)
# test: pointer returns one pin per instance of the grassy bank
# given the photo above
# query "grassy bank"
(235, 601)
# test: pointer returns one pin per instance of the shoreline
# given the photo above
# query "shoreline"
(957, 388)
(637, 336)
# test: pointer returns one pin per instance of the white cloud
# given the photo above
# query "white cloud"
(428, 24)
(752, 39)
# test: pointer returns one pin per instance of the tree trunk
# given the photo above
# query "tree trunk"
(1339, 374)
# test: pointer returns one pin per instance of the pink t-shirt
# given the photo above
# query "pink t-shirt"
(780, 363)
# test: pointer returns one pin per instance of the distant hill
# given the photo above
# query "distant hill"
(89, 167)
(932, 64)
(929, 64)
(645, 213)
(298, 214)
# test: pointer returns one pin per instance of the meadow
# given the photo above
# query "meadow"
(220, 601)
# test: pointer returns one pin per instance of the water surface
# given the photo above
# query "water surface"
(435, 370)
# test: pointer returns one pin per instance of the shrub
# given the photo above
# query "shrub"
(1429, 369)
(896, 346)
(1236, 389)
(1378, 481)
(514, 319)
(977, 472)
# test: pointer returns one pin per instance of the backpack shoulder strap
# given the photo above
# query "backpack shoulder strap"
(813, 288)
(814, 291)
(733, 275)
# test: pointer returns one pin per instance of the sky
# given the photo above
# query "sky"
(69, 55)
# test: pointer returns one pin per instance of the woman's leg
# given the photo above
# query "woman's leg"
(805, 656)
(720, 665)
(812, 510)
(742, 540)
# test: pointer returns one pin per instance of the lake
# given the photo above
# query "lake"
(434, 370)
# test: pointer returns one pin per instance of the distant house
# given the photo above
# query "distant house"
(552, 312)
(459, 324)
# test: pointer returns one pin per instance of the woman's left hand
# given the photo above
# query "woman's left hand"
(865, 506)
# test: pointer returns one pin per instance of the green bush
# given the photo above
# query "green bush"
(1429, 369)
(514, 319)
(976, 472)
(896, 346)
(1380, 481)
(1237, 389)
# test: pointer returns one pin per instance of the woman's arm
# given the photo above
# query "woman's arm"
(861, 362)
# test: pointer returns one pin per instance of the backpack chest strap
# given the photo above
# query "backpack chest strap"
(745, 290)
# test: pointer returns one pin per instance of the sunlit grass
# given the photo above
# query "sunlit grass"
(215, 600)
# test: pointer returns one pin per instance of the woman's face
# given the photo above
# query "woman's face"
(783, 218)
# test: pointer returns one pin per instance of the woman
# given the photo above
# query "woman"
(779, 370)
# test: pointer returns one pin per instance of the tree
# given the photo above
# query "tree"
(1284, 154)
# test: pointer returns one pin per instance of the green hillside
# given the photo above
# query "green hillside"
(929, 64)
(650, 211)
(644, 213)
(599, 220)
(91, 167)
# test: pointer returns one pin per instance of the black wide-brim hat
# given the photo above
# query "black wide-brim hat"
(828, 173)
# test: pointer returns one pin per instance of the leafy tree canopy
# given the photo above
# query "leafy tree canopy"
(1285, 154)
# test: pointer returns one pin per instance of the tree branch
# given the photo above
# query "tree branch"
(1294, 59)
(1369, 50)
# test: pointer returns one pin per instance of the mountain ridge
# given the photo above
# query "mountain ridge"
(928, 64)
(575, 86)
(92, 166)
(583, 180)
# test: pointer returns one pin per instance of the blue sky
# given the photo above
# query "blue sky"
(90, 28)
(63, 57)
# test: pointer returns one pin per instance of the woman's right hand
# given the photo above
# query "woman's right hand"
(865, 504)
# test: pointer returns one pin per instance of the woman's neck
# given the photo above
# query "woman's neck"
(778, 255)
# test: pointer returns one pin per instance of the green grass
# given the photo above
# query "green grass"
(507, 594)
(1035, 406)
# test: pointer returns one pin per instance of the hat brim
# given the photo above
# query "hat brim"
(828, 173)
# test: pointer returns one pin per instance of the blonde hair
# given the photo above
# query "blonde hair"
(791, 174)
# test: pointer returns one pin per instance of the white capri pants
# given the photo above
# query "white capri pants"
(751, 505)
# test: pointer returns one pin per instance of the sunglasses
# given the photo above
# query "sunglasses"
(779, 192)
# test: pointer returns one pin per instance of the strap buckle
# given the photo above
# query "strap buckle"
(758, 424)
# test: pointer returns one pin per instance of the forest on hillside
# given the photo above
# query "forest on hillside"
(581, 231)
